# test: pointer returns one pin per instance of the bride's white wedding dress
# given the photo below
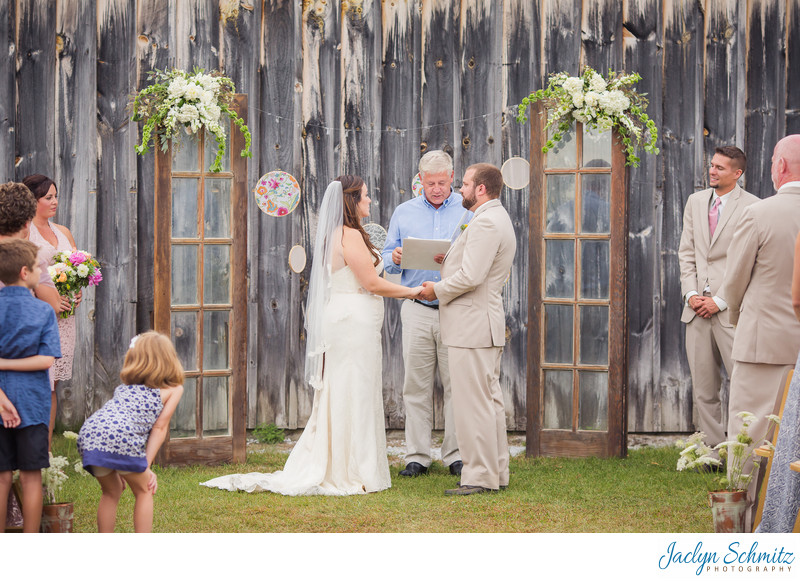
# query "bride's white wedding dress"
(342, 450)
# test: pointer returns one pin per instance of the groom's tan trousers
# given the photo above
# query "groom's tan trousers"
(480, 415)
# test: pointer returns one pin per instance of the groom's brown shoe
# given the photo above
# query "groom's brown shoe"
(467, 490)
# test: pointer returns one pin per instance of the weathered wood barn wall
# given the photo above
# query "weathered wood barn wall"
(365, 87)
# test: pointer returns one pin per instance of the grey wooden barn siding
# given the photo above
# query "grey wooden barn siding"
(365, 87)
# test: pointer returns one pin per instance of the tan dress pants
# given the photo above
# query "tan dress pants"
(708, 346)
(423, 352)
(755, 388)
(480, 416)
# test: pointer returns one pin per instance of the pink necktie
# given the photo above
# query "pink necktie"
(713, 216)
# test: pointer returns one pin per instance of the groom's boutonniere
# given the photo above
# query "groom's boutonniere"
(464, 227)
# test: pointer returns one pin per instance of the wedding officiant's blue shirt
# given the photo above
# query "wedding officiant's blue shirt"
(417, 218)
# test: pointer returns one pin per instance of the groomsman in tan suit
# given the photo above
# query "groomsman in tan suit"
(473, 327)
(757, 288)
(709, 221)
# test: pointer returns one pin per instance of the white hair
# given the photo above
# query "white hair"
(435, 162)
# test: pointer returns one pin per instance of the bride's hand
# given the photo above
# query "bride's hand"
(414, 292)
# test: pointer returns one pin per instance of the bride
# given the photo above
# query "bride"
(342, 450)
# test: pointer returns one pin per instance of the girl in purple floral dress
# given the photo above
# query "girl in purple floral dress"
(119, 442)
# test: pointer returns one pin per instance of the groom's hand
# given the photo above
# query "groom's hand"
(427, 293)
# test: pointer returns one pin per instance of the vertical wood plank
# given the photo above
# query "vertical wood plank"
(115, 311)
(481, 82)
(152, 52)
(766, 86)
(522, 75)
(399, 155)
(643, 54)
(36, 53)
(276, 294)
(76, 177)
(8, 100)
(360, 63)
(321, 28)
(724, 77)
(683, 174)
(601, 31)
(241, 25)
(792, 65)
(561, 29)
(440, 82)
(197, 34)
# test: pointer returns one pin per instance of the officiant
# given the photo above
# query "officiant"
(437, 214)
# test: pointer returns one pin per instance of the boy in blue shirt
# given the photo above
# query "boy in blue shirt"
(29, 344)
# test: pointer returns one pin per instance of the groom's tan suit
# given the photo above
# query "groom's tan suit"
(709, 342)
(758, 289)
(473, 327)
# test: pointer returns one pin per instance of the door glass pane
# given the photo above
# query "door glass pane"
(594, 269)
(217, 274)
(211, 148)
(215, 340)
(217, 207)
(215, 406)
(596, 148)
(559, 278)
(558, 334)
(183, 422)
(184, 334)
(596, 203)
(557, 399)
(560, 214)
(593, 401)
(594, 335)
(184, 207)
(185, 154)
(184, 274)
(563, 154)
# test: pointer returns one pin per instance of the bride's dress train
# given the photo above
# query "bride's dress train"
(342, 450)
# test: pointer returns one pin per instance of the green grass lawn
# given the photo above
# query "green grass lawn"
(641, 493)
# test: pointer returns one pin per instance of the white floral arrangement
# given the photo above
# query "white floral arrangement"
(599, 103)
(54, 476)
(697, 456)
(195, 101)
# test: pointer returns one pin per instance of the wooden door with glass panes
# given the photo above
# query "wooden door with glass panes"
(577, 329)
(200, 287)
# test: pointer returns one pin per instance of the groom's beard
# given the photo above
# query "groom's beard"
(467, 202)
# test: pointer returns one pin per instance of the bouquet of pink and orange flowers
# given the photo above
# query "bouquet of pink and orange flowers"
(71, 272)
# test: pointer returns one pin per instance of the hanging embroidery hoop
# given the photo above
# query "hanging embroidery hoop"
(377, 234)
(297, 258)
(277, 193)
(416, 186)
(516, 173)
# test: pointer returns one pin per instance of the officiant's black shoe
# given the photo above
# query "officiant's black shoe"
(455, 467)
(413, 469)
(467, 490)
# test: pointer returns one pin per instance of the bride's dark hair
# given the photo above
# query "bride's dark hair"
(351, 191)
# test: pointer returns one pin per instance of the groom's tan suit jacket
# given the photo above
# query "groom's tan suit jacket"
(473, 273)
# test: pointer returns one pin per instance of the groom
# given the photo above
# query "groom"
(473, 273)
